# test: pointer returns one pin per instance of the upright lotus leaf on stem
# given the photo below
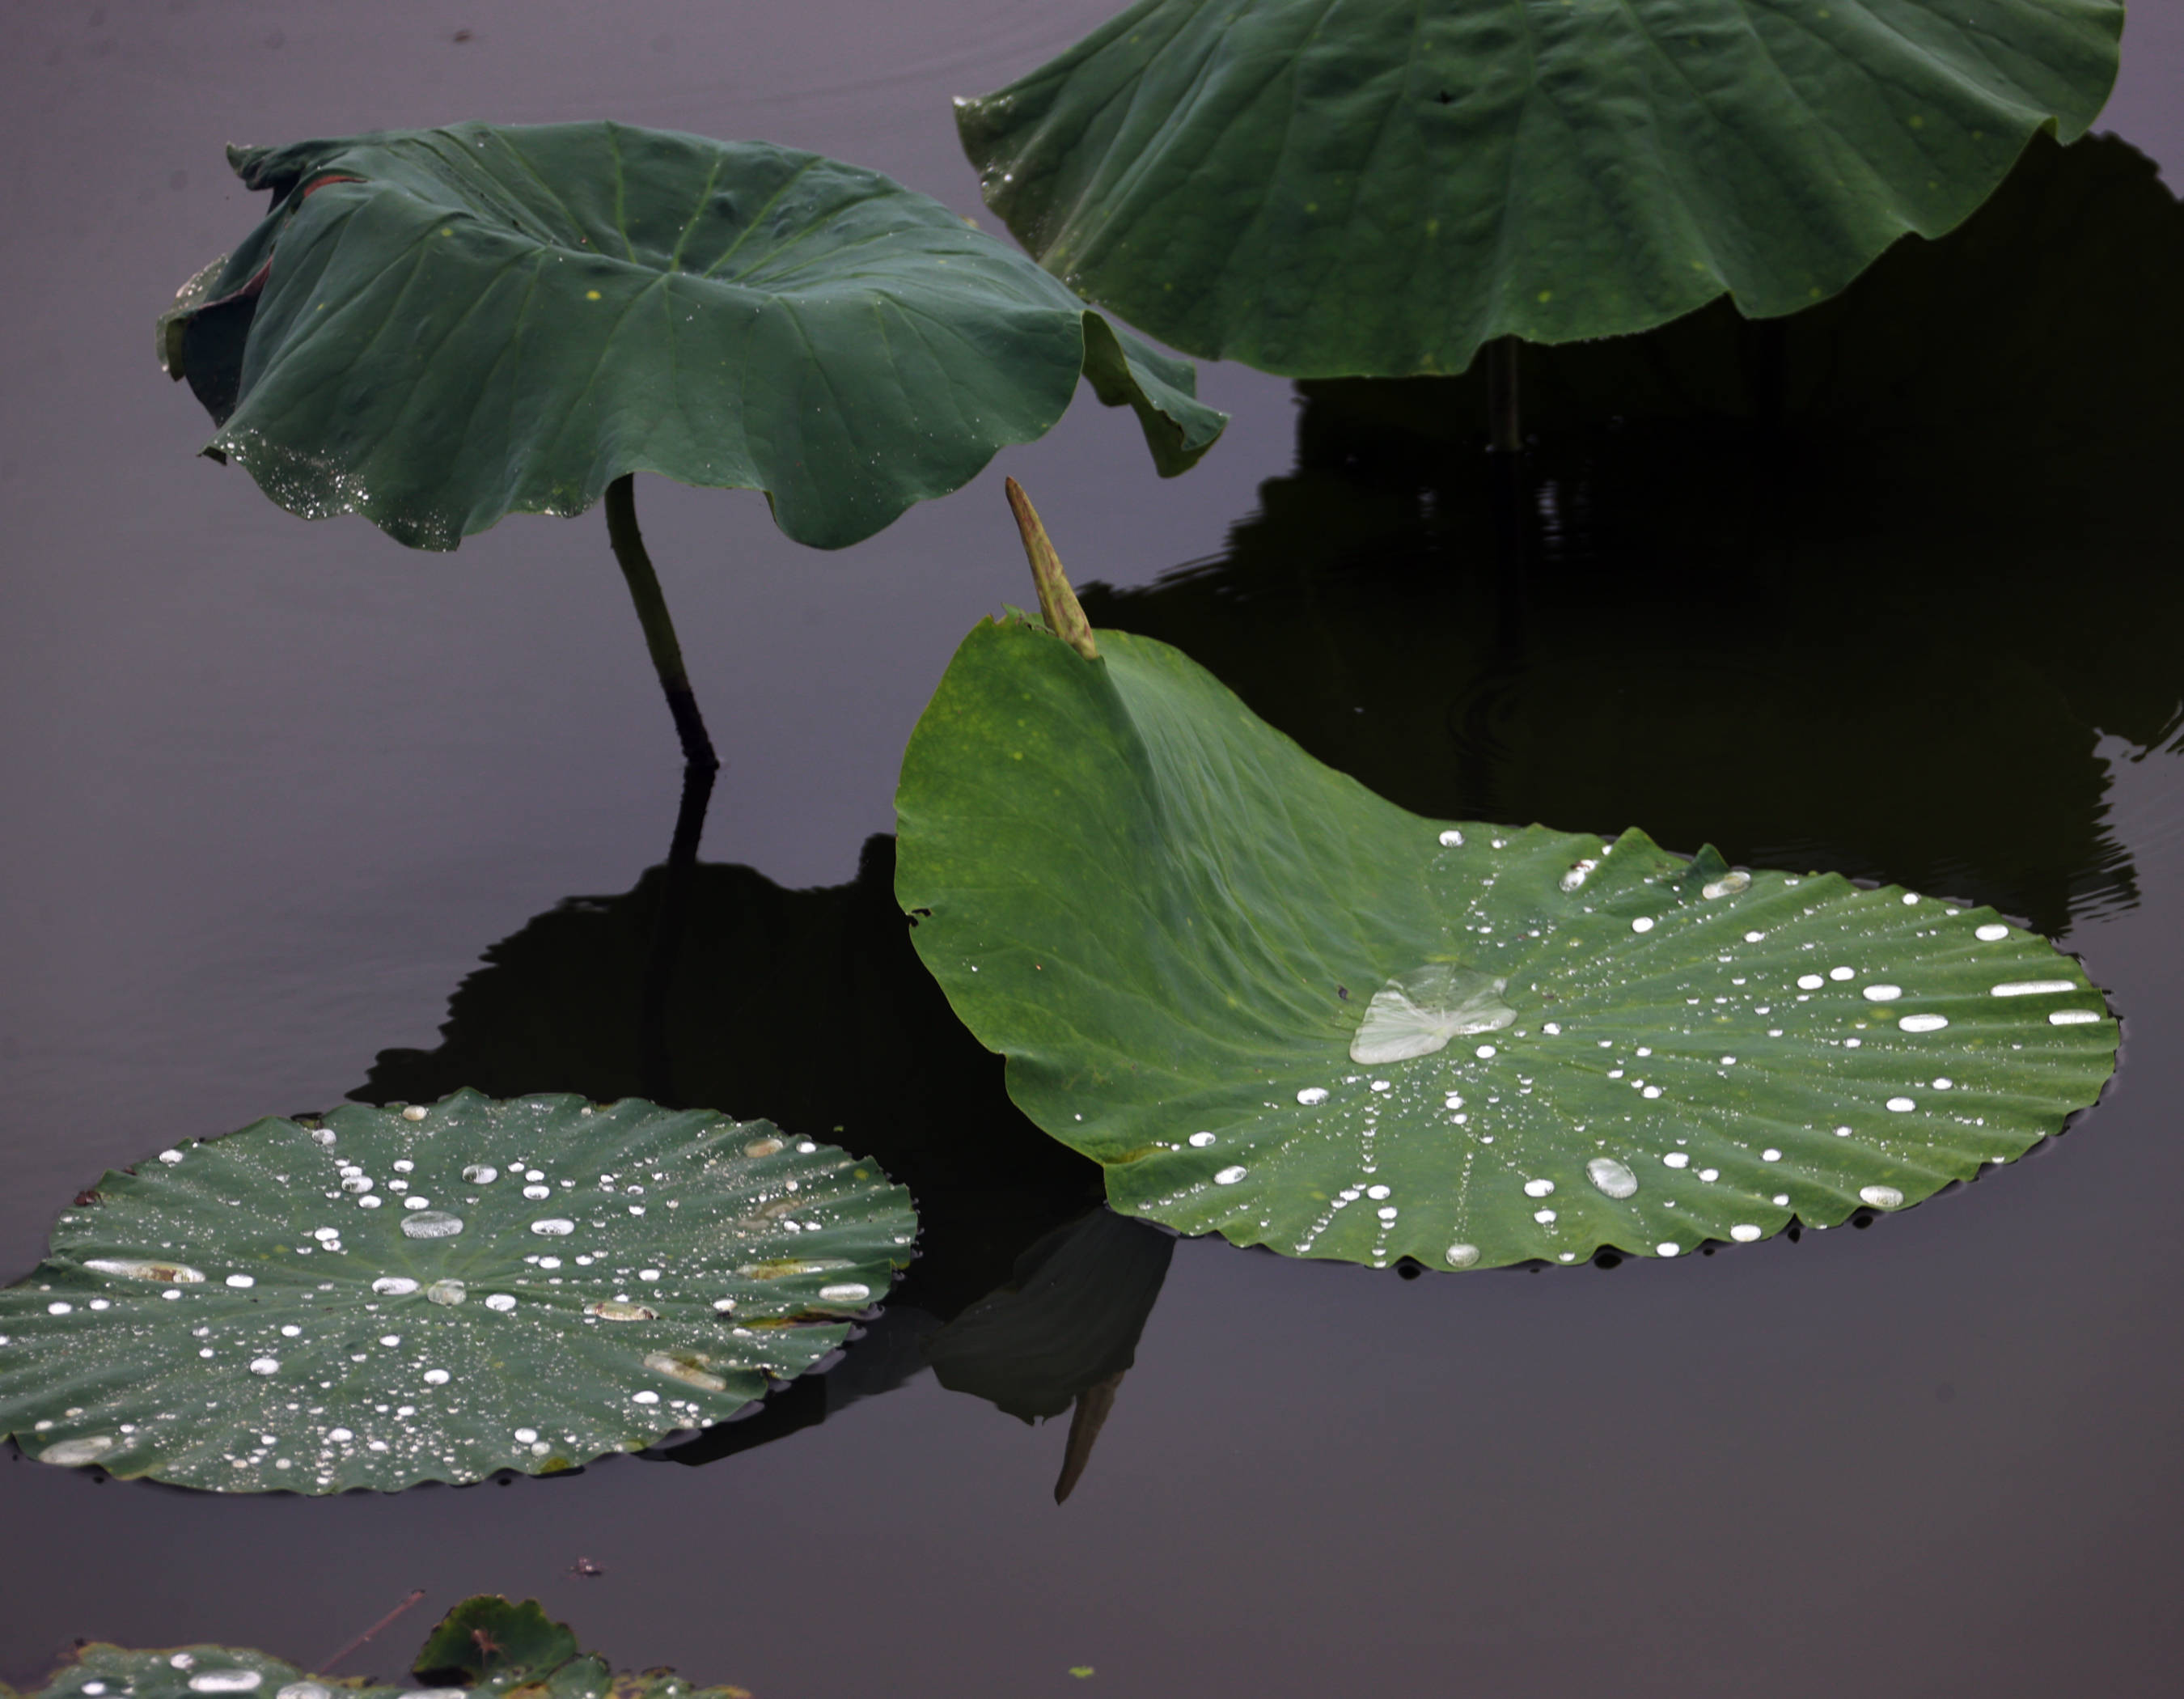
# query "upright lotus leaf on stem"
(1276, 1006)
(486, 1646)
(377, 1297)
(1369, 188)
(437, 328)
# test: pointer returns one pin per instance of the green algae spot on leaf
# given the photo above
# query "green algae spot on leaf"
(1371, 188)
(1281, 1008)
(383, 1296)
(436, 328)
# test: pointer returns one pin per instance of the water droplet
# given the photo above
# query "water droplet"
(524, 1436)
(431, 1223)
(1553, 1029)
(1781, 1200)
(481, 1173)
(1881, 994)
(763, 1147)
(356, 1185)
(264, 1365)
(644, 1398)
(182, 1660)
(618, 1310)
(1840, 973)
(394, 1285)
(1228, 1177)
(446, 1292)
(1376, 1193)
(1538, 1188)
(1544, 1217)
(1744, 1233)
(141, 1268)
(226, 1681)
(1462, 1255)
(1416, 1013)
(340, 1436)
(1201, 1140)
(1612, 1178)
(323, 1135)
(1923, 1023)
(1677, 1159)
(1991, 933)
(537, 1194)
(1643, 923)
(416, 1203)
(170, 1157)
(242, 1282)
(1486, 1053)
(1770, 1155)
(1450, 839)
(1881, 1197)
(501, 1301)
(1577, 875)
(2073, 1018)
(1728, 885)
(60, 1306)
(1810, 982)
(436, 1377)
(415, 1111)
(1754, 937)
(1843, 1131)
(1312, 1094)
(74, 1454)
(1668, 1247)
(1902, 1106)
(846, 1292)
(2032, 988)
(304, 1690)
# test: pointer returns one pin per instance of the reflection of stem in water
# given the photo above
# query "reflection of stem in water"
(655, 1062)
(1085, 1421)
(1505, 419)
(328, 1664)
(659, 628)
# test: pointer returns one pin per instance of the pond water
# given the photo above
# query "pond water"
(1895, 592)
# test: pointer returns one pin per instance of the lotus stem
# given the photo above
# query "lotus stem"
(1505, 424)
(658, 628)
(1057, 602)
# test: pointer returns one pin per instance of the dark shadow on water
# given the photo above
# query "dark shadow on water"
(811, 1008)
(1861, 589)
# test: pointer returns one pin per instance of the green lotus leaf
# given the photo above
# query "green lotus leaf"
(383, 1296)
(436, 328)
(1278, 1007)
(1371, 188)
(487, 1644)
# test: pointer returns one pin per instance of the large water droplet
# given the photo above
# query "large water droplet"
(2032, 988)
(687, 1373)
(265, 1365)
(1463, 1255)
(846, 1292)
(415, 1111)
(1668, 1247)
(1991, 933)
(1744, 1233)
(481, 1173)
(1902, 1106)
(1612, 1178)
(226, 1681)
(446, 1292)
(304, 1690)
(1312, 1094)
(1923, 1023)
(1810, 982)
(1643, 923)
(1728, 885)
(431, 1223)
(356, 1185)
(554, 1227)
(1881, 1197)
(394, 1285)
(1538, 1188)
(142, 1268)
(74, 1454)
(1416, 1013)
(1677, 1159)
(1881, 994)
(617, 1310)
(501, 1301)
(1228, 1177)
(2073, 1018)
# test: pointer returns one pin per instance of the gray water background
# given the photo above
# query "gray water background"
(271, 788)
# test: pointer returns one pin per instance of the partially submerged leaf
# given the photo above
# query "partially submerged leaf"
(436, 328)
(550, 1666)
(438, 1292)
(1376, 188)
(1173, 922)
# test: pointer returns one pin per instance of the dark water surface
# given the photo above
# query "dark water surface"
(1895, 592)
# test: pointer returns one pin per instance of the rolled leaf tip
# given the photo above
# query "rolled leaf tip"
(1057, 602)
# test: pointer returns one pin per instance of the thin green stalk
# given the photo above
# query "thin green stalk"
(659, 628)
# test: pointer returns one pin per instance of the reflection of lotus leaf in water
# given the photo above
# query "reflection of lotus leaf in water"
(1867, 591)
(438, 1292)
(486, 1644)
(1154, 904)
(1416, 1013)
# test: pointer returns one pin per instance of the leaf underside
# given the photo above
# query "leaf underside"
(1173, 922)
(1375, 189)
(437, 328)
(287, 1307)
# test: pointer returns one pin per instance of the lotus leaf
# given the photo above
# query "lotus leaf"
(1194, 943)
(435, 1292)
(1371, 188)
(436, 328)
(491, 1645)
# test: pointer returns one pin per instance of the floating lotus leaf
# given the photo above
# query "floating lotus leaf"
(487, 1644)
(1185, 935)
(1374, 189)
(384, 1296)
(436, 328)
